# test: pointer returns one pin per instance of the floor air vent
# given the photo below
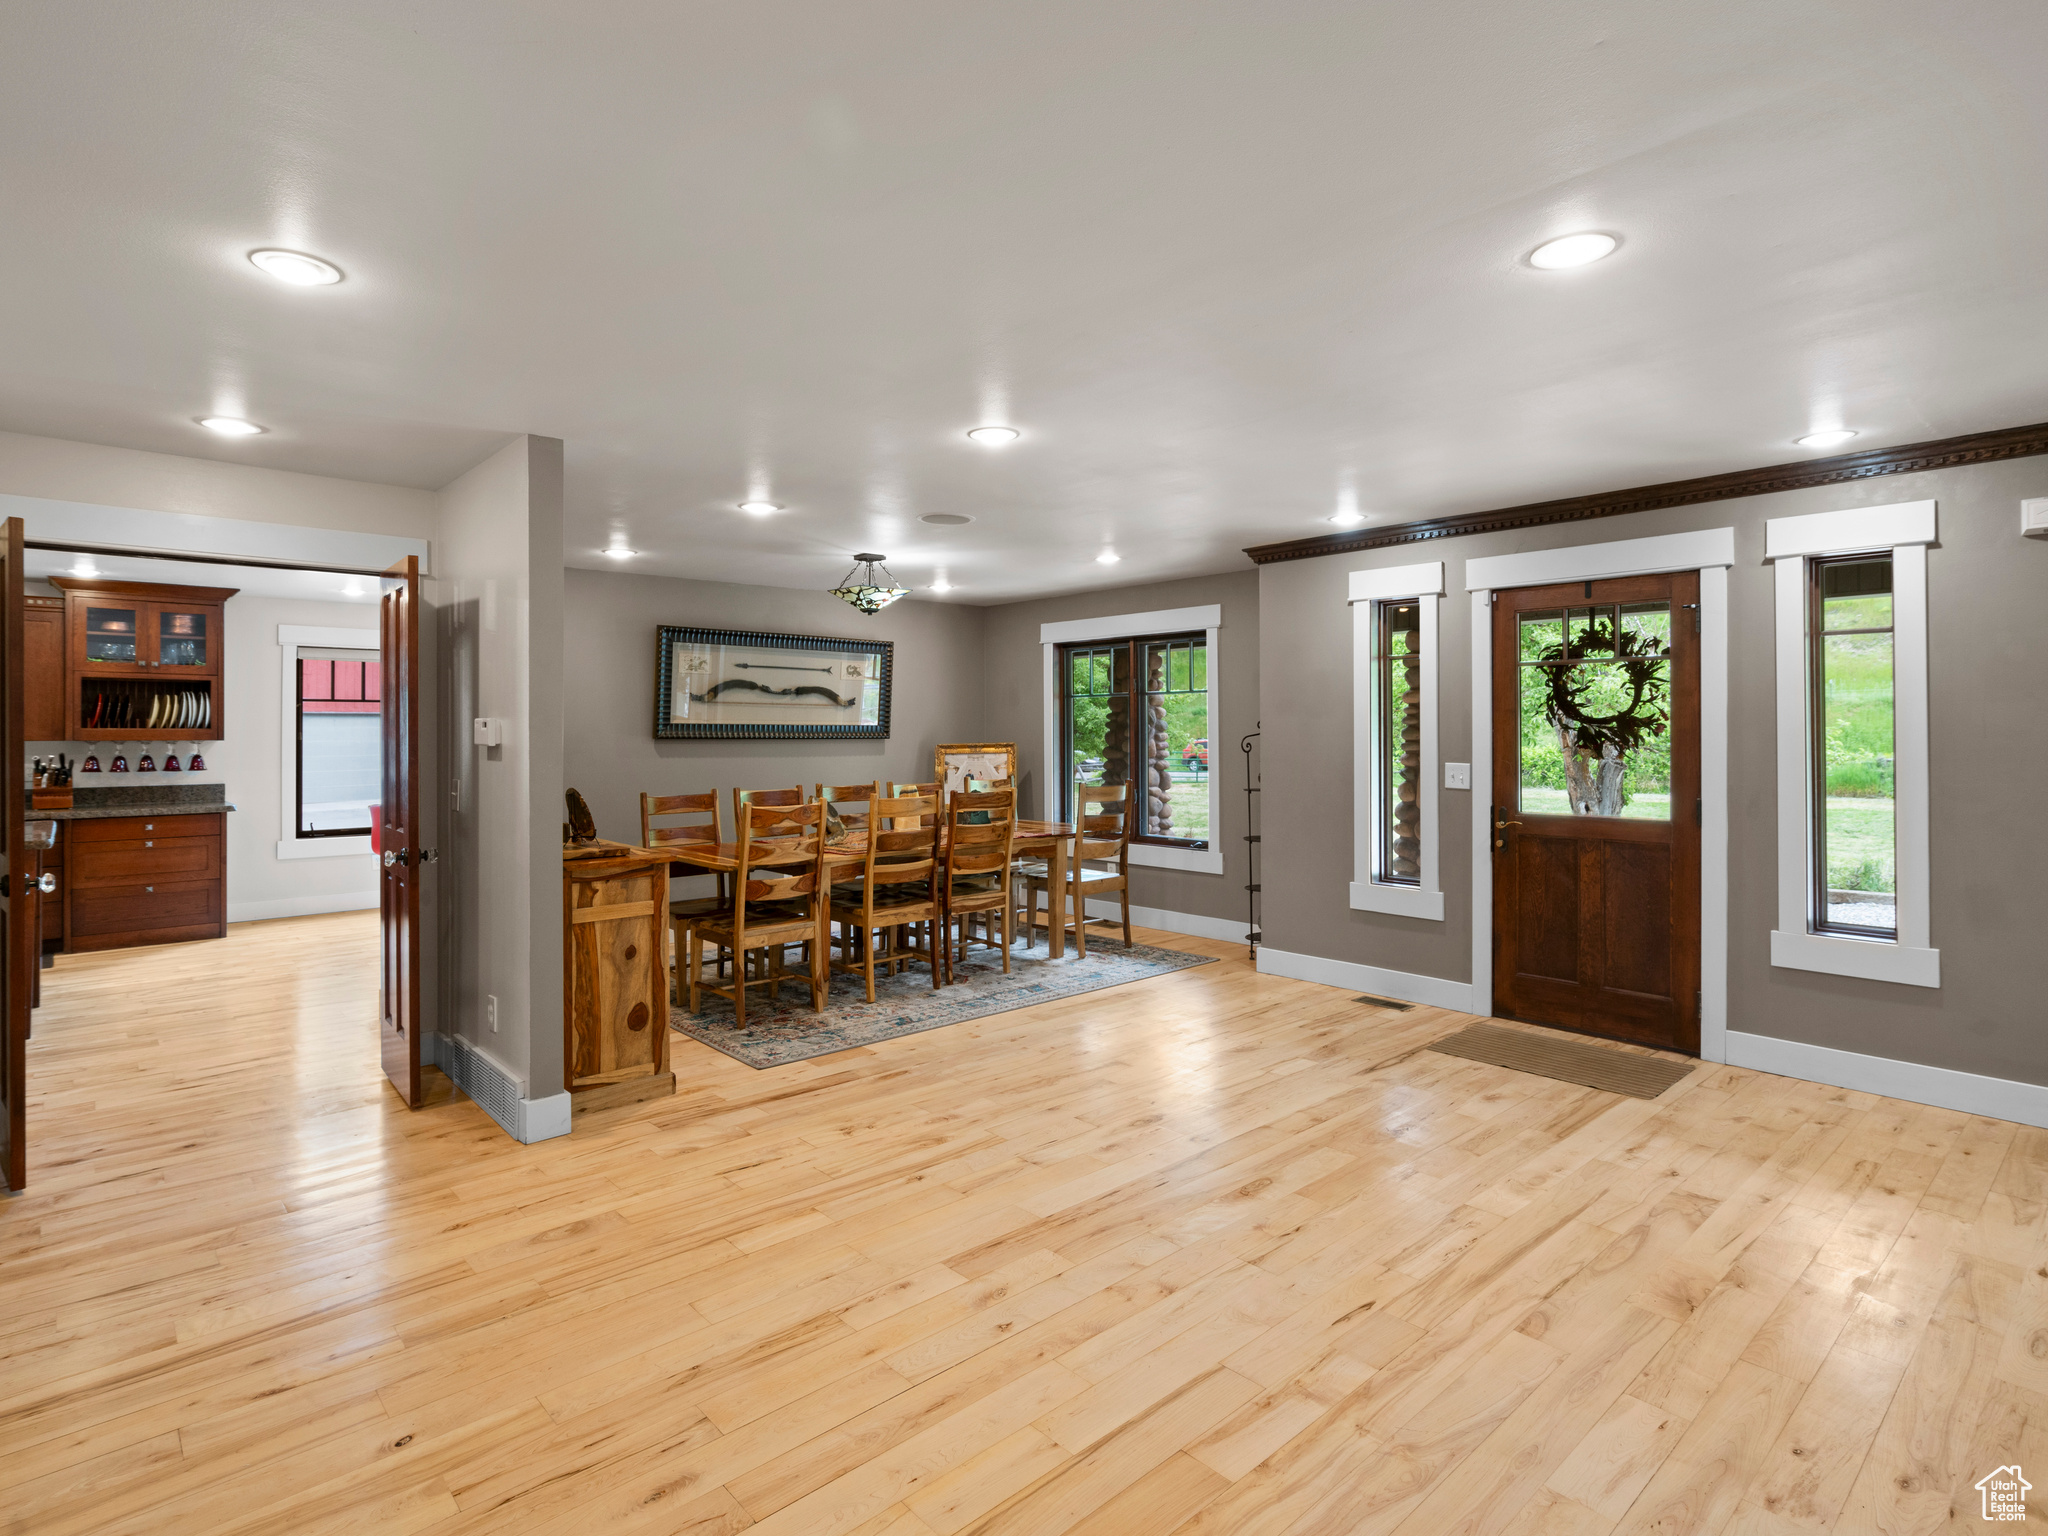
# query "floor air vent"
(496, 1090)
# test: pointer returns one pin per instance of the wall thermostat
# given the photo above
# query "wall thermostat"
(488, 733)
(2034, 517)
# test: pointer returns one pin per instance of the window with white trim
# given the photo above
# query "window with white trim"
(1186, 645)
(1853, 743)
(1394, 745)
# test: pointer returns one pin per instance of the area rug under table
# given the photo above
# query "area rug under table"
(905, 1004)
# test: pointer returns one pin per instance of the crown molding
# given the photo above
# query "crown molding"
(1906, 459)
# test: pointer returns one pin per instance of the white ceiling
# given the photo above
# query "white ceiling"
(1224, 263)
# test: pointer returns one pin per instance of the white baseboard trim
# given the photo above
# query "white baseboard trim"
(1431, 991)
(300, 906)
(1193, 924)
(1998, 1097)
(542, 1119)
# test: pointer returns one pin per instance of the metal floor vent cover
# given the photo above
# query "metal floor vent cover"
(483, 1080)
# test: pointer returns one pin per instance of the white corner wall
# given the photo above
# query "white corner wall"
(497, 601)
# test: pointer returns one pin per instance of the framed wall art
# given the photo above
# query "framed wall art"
(956, 762)
(730, 684)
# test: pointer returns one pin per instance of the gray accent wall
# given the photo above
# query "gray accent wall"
(1016, 712)
(1988, 634)
(612, 754)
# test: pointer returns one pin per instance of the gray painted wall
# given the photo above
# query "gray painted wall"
(612, 754)
(1015, 672)
(1988, 630)
(498, 605)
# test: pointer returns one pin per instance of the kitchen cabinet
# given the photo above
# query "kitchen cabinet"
(142, 661)
(42, 669)
(145, 880)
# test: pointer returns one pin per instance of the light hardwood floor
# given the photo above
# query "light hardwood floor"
(1212, 1253)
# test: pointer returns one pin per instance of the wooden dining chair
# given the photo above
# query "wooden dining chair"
(776, 890)
(981, 835)
(685, 912)
(848, 802)
(1102, 835)
(930, 792)
(897, 892)
(742, 798)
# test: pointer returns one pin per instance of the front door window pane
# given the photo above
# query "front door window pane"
(1595, 711)
(1857, 828)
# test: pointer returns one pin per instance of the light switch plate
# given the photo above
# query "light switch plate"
(1457, 775)
(488, 733)
(2034, 517)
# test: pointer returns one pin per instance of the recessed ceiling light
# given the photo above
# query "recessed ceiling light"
(1832, 438)
(1348, 519)
(296, 268)
(759, 508)
(231, 426)
(1108, 557)
(620, 552)
(1572, 251)
(945, 519)
(993, 437)
(942, 585)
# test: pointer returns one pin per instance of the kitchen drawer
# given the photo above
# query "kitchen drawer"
(114, 915)
(116, 829)
(146, 860)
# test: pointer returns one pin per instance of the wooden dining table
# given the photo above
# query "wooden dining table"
(1035, 839)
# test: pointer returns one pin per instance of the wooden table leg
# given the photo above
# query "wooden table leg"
(1056, 900)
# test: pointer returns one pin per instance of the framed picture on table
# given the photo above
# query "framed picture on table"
(736, 685)
(989, 761)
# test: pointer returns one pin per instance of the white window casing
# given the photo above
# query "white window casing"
(1905, 529)
(1369, 893)
(289, 638)
(1207, 618)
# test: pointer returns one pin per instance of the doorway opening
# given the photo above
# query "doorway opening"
(205, 741)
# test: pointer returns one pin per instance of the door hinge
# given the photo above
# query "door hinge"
(1695, 607)
(1696, 1013)
(1699, 813)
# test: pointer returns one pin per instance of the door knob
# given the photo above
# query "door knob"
(47, 884)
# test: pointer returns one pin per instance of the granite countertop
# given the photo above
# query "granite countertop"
(142, 808)
(97, 803)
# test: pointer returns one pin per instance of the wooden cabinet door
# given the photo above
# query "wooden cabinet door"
(17, 907)
(402, 837)
(42, 666)
(184, 640)
(109, 635)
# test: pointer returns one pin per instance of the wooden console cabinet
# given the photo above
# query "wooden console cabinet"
(615, 975)
(145, 880)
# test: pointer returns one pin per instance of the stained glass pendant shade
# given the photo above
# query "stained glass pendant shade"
(869, 586)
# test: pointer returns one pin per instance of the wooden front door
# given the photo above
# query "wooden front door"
(1596, 810)
(402, 838)
(18, 957)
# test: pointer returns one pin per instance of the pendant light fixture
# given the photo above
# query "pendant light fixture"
(864, 589)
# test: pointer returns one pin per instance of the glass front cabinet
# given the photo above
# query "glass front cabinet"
(142, 662)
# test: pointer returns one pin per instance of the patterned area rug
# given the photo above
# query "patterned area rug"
(907, 1005)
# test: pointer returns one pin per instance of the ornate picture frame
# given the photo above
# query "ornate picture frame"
(955, 762)
(748, 685)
